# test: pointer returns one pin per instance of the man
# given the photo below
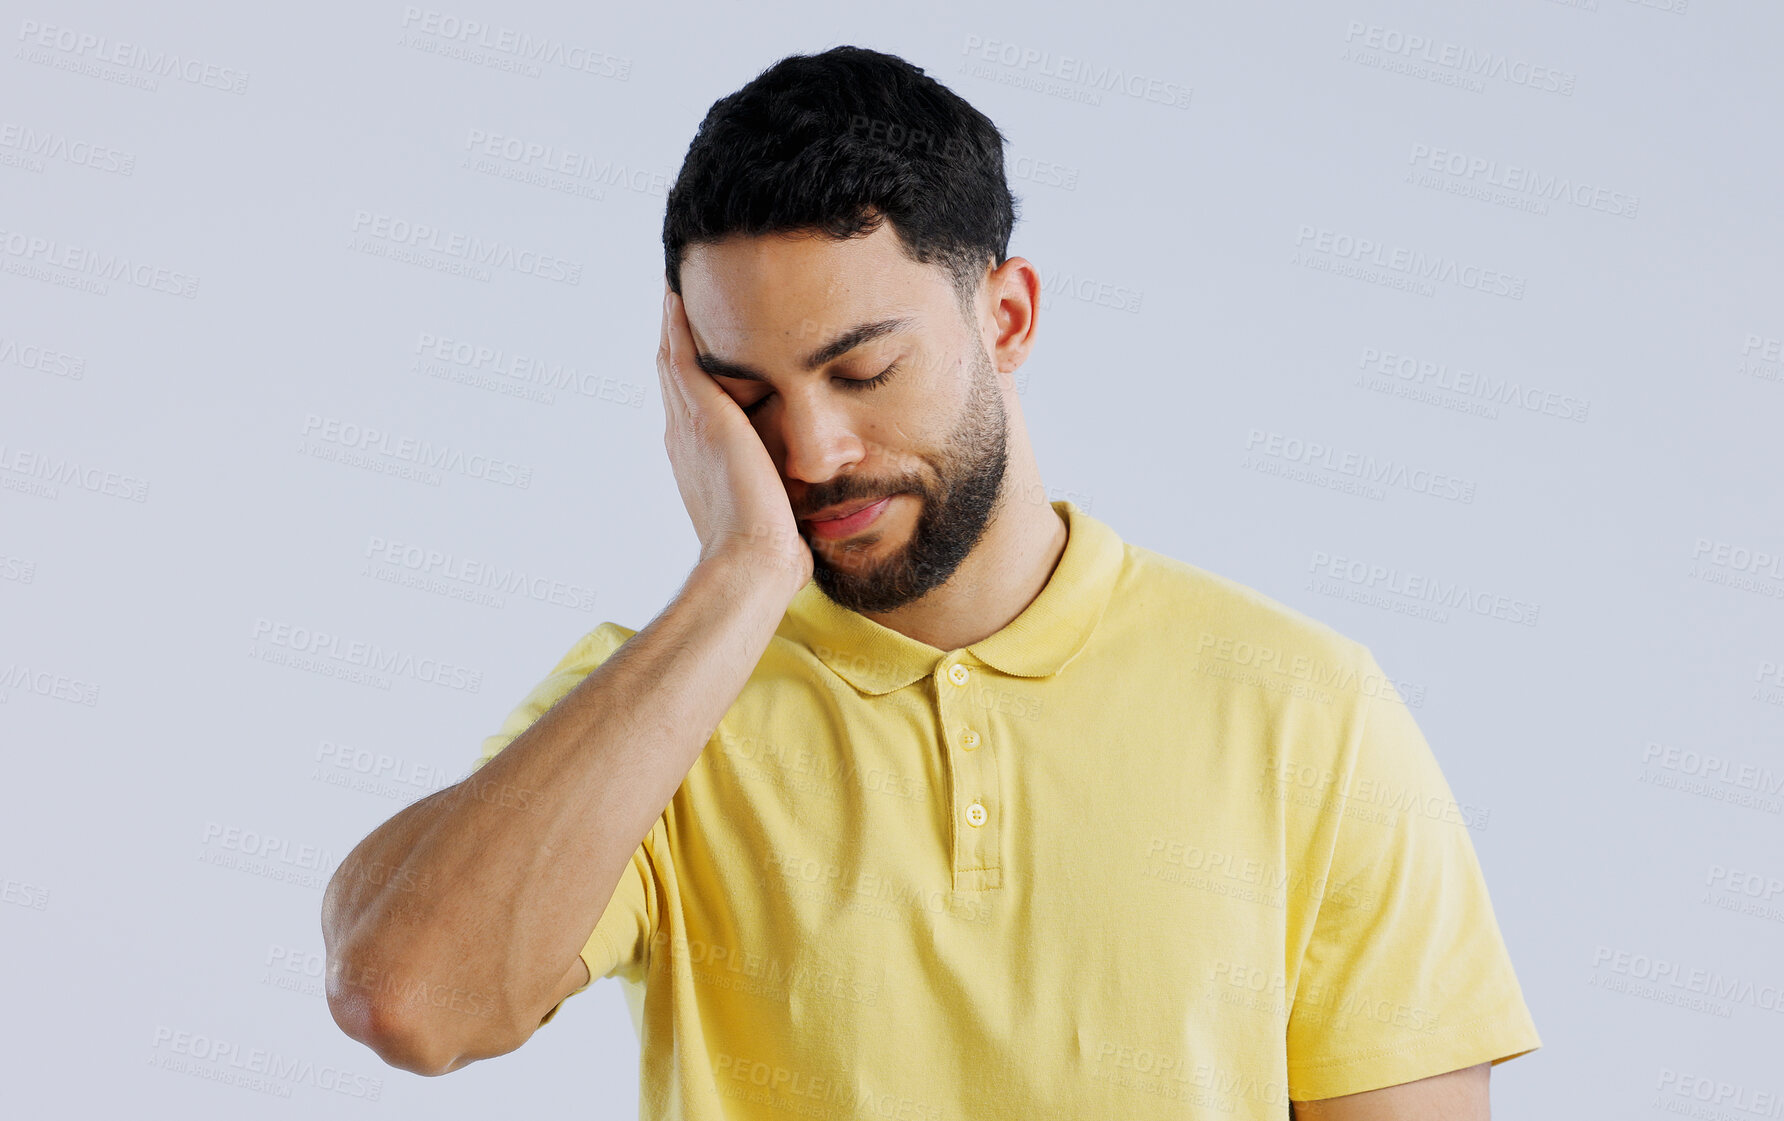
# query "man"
(927, 797)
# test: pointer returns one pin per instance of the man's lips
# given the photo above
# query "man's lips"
(842, 510)
(852, 519)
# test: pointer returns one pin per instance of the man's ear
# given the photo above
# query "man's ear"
(1012, 298)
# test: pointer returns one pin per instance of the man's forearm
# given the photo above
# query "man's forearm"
(487, 890)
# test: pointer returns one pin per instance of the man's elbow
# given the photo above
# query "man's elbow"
(417, 1039)
(392, 1034)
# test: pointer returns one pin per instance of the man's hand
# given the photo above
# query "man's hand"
(727, 479)
(1460, 1095)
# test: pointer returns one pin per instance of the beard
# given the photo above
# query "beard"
(959, 492)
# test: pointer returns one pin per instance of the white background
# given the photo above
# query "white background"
(178, 509)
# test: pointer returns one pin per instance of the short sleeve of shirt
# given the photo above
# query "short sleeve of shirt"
(1406, 974)
(621, 937)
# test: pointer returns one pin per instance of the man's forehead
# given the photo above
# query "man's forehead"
(795, 291)
(808, 333)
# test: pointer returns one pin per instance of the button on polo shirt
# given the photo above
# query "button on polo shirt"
(1160, 847)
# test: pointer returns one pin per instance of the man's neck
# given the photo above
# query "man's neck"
(1004, 573)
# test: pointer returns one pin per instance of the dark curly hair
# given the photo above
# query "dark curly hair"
(834, 143)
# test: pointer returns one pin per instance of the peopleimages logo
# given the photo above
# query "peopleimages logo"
(566, 170)
(1424, 588)
(33, 147)
(261, 1069)
(57, 686)
(517, 373)
(1070, 76)
(30, 254)
(1770, 349)
(422, 453)
(427, 564)
(1091, 291)
(1414, 265)
(514, 46)
(1366, 469)
(1718, 1097)
(377, 772)
(41, 472)
(473, 251)
(1464, 61)
(1523, 180)
(80, 50)
(1739, 558)
(47, 360)
(304, 647)
(1487, 388)
(1663, 974)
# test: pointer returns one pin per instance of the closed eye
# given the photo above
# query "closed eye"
(874, 382)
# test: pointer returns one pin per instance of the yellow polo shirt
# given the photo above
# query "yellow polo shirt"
(1160, 847)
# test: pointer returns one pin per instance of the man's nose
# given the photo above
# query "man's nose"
(817, 437)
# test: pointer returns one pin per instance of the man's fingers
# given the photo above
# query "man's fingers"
(698, 387)
(675, 394)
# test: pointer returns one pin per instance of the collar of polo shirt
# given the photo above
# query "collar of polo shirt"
(1039, 642)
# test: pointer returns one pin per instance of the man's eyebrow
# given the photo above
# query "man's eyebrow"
(858, 335)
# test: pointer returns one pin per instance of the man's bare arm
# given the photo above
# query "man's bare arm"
(1459, 1095)
(456, 925)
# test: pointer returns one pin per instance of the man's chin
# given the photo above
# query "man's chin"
(859, 567)
(856, 576)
